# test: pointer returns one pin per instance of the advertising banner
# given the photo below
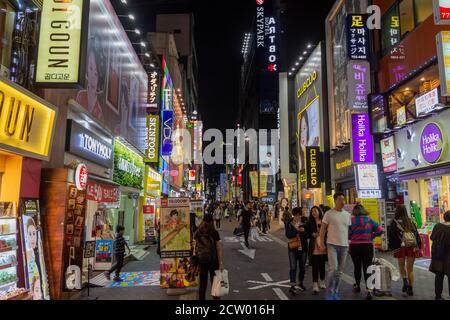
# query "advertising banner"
(268, 166)
(88, 145)
(149, 222)
(423, 144)
(128, 166)
(167, 131)
(358, 75)
(115, 93)
(61, 43)
(427, 103)
(152, 139)
(362, 139)
(152, 183)
(31, 132)
(373, 208)
(100, 192)
(358, 47)
(314, 168)
(36, 271)
(368, 182)
(388, 154)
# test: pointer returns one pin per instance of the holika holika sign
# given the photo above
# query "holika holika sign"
(61, 42)
(27, 122)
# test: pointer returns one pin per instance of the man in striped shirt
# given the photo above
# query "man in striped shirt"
(119, 252)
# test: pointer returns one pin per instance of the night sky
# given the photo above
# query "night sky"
(219, 31)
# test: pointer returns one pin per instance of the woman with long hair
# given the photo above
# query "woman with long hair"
(318, 256)
(405, 241)
(208, 252)
(361, 234)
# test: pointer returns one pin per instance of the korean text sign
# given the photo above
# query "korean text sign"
(357, 37)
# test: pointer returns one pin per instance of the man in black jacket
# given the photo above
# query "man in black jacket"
(245, 220)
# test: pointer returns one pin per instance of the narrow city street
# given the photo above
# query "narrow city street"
(258, 273)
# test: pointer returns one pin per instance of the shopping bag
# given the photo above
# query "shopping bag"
(215, 288)
(220, 285)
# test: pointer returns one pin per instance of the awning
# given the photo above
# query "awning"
(425, 174)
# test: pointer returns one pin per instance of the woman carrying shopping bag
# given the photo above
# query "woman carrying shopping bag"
(208, 250)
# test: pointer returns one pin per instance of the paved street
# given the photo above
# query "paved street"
(263, 278)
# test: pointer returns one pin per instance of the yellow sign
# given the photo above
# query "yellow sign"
(344, 164)
(26, 122)
(357, 21)
(152, 183)
(308, 83)
(60, 42)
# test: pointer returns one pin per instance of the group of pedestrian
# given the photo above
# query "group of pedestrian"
(255, 217)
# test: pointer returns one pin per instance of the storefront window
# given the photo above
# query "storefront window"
(423, 9)
(403, 102)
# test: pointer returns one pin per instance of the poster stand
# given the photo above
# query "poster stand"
(89, 252)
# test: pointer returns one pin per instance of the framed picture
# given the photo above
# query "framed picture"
(80, 199)
(79, 221)
(78, 232)
(71, 204)
(69, 241)
(72, 192)
(70, 229)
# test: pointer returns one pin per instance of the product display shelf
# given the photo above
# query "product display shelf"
(8, 234)
(8, 266)
(8, 249)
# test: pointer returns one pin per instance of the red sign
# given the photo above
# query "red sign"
(191, 175)
(259, 2)
(102, 192)
(81, 175)
(148, 209)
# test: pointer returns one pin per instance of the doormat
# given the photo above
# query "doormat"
(423, 264)
(136, 279)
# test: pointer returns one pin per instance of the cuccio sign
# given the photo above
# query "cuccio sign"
(81, 175)
(432, 143)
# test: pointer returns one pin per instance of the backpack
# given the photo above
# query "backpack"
(408, 237)
(205, 248)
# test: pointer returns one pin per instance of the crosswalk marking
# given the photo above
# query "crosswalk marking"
(241, 239)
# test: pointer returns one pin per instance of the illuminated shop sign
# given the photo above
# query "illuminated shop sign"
(367, 177)
(314, 168)
(271, 41)
(154, 91)
(167, 131)
(427, 102)
(27, 122)
(362, 140)
(86, 144)
(344, 164)
(432, 144)
(260, 24)
(388, 154)
(358, 74)
(61, 43)
(308, 83)
(357, 37)
(152, 139)
(441, 11)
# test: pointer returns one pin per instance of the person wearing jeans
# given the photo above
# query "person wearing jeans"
(335, 225)
(297, 250)
(318, 256)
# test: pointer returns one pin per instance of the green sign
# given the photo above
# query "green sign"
(128, 166)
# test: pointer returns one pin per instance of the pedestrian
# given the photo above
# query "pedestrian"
(208, 253)
(269, 219)
(263, 215)
(245, 220)
(335, 225)
(297, 236)
(404, 240)
(361, 234)
(230, 212)
(440, 255)
(217, 216)
(318, 255)
(119, 254)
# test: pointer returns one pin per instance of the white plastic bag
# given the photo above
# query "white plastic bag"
(220, 286)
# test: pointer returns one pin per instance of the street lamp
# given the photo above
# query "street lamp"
(129, 16)
(137, 31)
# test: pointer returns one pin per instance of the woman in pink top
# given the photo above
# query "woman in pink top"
(361, 234)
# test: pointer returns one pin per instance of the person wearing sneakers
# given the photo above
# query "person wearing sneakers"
(318, 256)
(335, 225)
(119, 253)
(361, 234)
(297, 249)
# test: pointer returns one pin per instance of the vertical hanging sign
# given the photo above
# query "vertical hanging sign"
(357, 37)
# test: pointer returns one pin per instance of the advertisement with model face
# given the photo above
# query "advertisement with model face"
(36, 280)
(116, 82)
(309, 106)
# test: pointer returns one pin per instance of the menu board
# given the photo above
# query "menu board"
(74, 228)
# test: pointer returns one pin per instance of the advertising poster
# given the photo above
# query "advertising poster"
(388, 154)
(103, 254)
(36, 271)
(175, 228)
(368, 177)
(149, 222)
(197, 207)
(74, 231)
(116, 82)
(309, 130)
(268, 165)
(177, 273)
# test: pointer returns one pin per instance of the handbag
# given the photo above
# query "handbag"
(408, 237)
(294, 243)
